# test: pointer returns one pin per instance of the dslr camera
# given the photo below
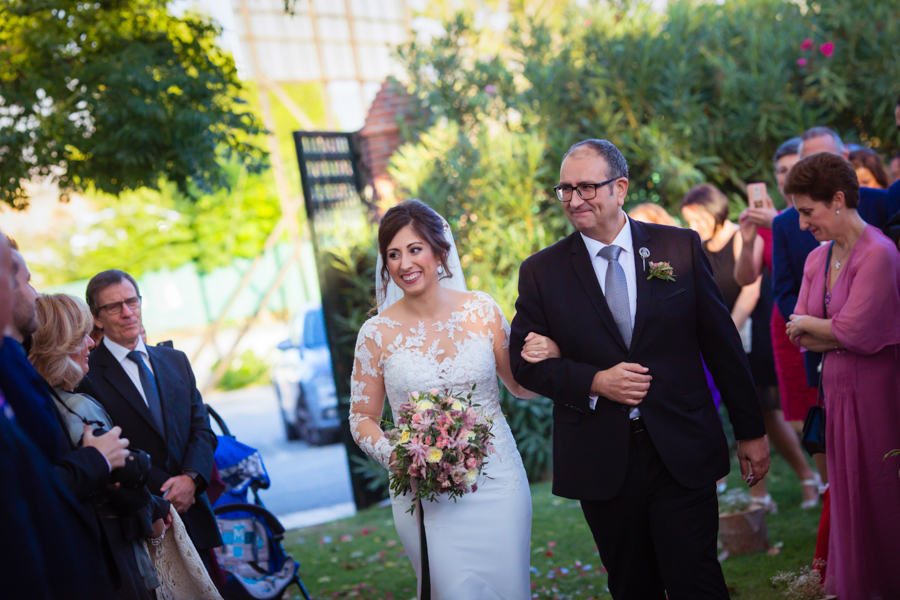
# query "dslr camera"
(136, 471)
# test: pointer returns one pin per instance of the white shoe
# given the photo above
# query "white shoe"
(817, 482)
(765, 502)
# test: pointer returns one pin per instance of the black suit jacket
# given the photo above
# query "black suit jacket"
(49, 545)
(676, 323)
(188, 442)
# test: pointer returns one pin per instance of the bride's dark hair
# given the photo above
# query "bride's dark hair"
(427, 224)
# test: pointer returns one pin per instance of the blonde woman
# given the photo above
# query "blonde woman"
(59, 353)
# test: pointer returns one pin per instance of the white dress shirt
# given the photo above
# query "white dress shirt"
(131, 369)
(626, 260)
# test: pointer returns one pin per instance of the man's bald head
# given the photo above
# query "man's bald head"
(821, 139)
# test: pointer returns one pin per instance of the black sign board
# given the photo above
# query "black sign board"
(333, 176)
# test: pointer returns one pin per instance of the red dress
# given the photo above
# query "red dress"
(796, 395)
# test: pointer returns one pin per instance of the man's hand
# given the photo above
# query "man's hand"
(180, 490)
(110, 445)
(753, 456)
(626, 383)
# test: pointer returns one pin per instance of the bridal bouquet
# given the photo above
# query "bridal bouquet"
(442, 442)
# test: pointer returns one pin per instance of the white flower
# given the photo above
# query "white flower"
(457, 405)
(471, 476)
(424, 405)
(434, 455)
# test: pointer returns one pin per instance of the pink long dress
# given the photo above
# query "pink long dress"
(862, 405)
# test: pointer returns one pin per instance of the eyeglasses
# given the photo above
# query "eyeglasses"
(586, 191)
(115, 308)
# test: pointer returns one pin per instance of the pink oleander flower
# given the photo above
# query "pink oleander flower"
(827, 49)
(801, 62)
(807, 44)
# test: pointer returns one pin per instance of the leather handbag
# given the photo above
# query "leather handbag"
(814, 428)
(814, 424)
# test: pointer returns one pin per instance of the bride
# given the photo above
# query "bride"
(432, 333)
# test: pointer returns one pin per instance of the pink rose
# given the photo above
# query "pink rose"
(434, 392)
(801, 62)
(827, 49)
(471, 463)
(807, 44)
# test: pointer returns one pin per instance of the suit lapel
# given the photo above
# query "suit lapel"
(584, 269)
(121, 382)
(640, 239)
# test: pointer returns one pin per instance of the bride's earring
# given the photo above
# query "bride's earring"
(440, 269)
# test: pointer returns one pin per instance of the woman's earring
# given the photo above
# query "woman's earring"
(837, 212)
(440, 269)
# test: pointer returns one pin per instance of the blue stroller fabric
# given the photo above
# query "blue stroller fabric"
(240, 466)
(255, 564)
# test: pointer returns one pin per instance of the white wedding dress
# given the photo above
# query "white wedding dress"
(479, 546)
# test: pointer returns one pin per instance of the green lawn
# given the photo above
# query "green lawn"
(361, 557)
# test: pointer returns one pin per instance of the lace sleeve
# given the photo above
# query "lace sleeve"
(367, 396)
(494, 318)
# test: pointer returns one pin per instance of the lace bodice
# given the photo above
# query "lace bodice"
(451, 356)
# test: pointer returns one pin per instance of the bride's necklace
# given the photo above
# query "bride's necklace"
(837, 264)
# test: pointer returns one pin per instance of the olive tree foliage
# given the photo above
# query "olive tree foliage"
(117, 95)
(698, 92)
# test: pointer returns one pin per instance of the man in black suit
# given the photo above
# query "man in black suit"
(636, 437)
(49, 544)
(150, 392)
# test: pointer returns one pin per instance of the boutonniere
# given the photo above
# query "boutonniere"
(662, 270)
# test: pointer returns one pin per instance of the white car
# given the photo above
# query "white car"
(304, 381)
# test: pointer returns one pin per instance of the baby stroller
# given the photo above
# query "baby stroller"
(252, 556)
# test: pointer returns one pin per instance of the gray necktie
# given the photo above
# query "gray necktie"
(617, 292)
(151, 393)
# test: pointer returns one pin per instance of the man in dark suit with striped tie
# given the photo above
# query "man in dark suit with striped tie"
(150, 392)
(636, 436)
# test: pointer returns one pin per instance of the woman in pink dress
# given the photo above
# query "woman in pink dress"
(849, 309)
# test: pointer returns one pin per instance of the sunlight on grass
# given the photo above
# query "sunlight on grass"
(361, 557)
